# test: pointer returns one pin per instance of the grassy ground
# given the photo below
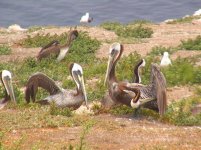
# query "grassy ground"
(37, 127)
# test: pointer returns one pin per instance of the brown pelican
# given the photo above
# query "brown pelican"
(61, 98)
(152, 96)
(86, 19)
(6, 80)
(107, 102)
(137, 78)
(54, 48)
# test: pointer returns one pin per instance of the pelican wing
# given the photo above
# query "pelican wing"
(40, 80)
(51, 48)
(158, 82)
(53, 43)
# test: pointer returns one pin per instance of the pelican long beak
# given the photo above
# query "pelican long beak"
(83, 89)
(109, 67)
(9, 88)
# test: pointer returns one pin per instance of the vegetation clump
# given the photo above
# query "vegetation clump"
(192, 44)
(34, 28)
(54, 110)
(183, 20)
(180, 112)
(136, 31)
(5, 50)
(159, 50)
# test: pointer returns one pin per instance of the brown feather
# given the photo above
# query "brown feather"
(53, 43)
(159, 84)
(39, 80)
(52, 50)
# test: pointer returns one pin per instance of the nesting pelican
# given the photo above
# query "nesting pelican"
(165, 61)
(152, 96)
(61, 98)
(107, 102)
(6, 80)
(86, 18)
(54, 48)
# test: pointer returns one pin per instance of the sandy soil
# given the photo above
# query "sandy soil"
(111, 133)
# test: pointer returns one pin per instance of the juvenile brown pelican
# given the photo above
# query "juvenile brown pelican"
(54, 48)
(61, 97)
(6, 80)
(137, 78)
(153, 95)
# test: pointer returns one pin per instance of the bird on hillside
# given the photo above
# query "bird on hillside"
(152, 96)
(6, 79)
(59, 96)
(165, 61)
(86, 19)
(55, 48)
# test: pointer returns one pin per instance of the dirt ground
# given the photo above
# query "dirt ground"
(113, 132)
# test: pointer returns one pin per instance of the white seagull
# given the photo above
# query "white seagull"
(86, 18)
(165, 61)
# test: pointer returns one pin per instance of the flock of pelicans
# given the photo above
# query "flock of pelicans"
(152, 96)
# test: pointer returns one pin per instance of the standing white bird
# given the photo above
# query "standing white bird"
(86, 18)
(165, 61)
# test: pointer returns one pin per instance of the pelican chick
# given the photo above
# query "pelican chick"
(59, 96)
(6, 79)
(54, 48)
(153, 95)
(165, 61)
(86, 19)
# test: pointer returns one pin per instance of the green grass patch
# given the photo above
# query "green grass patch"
(5, 50)
(182, 72)
(121, 110)
(188, 19)
(159, 50)
(192, 44)
(34, 28)
(136, 31)
(139, 22)
(54, 110)
(41, 40)
(179, 113)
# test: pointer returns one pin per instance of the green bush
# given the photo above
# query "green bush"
(192, 44)
(5, 50)
(179, 113)
(159, 50)
(137, 31)
(41, 40)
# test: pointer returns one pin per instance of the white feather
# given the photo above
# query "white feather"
(85, 18)
(6, 73)
(62, 54)
(165, 61)
(135, 105)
